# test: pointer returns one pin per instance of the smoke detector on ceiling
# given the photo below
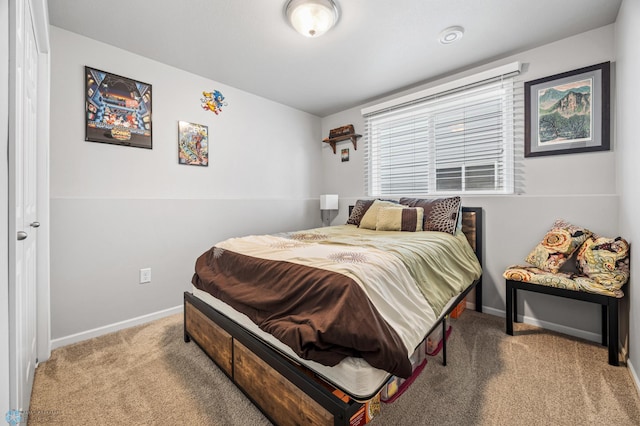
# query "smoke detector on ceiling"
(451, 35)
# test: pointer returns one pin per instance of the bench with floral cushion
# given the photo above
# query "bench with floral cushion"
(575, 263)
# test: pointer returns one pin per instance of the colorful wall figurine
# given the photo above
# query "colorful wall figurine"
(213, 101)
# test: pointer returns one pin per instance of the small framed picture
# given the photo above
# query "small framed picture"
(193, 144)
(344, 154)
(568, 113)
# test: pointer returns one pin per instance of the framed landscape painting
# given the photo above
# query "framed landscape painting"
(117, 109)
(568, 113)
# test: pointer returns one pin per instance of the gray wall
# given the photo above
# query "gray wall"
(115, 209)
(628, 154)
(580, 188)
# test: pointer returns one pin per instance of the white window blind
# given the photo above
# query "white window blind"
(458, 142)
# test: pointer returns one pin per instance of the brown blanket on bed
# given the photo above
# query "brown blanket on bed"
(323, 316)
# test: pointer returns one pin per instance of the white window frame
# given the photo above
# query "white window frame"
(503, 165)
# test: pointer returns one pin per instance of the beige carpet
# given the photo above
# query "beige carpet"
(148, 375)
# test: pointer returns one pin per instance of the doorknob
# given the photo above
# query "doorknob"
(22, 235)
(34, 224)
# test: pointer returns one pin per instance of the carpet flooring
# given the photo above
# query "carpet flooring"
(147, 375)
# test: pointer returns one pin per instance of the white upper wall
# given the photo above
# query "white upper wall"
(584, 173)
(256, 145)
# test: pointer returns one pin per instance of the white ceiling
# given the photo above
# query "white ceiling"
(377, 47)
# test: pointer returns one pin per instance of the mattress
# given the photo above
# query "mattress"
(353, 376)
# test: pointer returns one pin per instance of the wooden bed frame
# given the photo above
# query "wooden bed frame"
(286, 392)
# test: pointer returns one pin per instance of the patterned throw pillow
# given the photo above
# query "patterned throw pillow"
(605, 260)
(358, 211)
(400, 219)
(440, 214)
(557, 245)
(371, 216)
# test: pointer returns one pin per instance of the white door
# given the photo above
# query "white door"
(23, 223)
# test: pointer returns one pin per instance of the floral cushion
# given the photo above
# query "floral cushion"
(557, 245)
(605, 260)
(533, 275)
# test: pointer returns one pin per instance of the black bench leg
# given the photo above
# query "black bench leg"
(605, 334)
(510, 307)
(613, 331)
(515, 305)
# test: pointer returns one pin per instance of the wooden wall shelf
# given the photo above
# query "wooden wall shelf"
(353, 137)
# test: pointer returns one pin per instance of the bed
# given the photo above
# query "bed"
(289, 372)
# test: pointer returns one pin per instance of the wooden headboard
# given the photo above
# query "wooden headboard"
(472, 228)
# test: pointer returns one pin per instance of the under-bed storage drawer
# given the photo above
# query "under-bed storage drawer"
(216, 342)
(278, 397)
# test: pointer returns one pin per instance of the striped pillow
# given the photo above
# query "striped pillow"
(370, 217)
(400, 219)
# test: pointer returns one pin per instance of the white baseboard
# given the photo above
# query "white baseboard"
(89, 334)
(634, 375)
(582, 334)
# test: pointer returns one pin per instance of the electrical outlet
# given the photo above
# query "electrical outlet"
(145, 275)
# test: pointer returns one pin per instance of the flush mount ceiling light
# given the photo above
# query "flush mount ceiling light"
(451, 35)
(312, 18)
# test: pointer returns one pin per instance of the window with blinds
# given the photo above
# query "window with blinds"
(458, 142)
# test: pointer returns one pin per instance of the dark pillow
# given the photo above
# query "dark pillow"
(440, 214)
(359, 209)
